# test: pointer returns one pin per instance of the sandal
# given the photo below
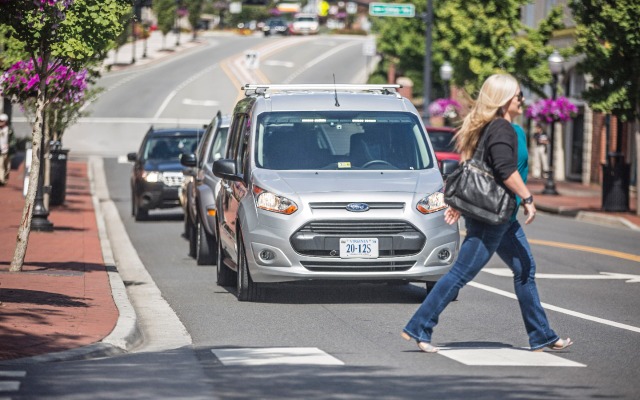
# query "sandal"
(423, 346)
(559, 344)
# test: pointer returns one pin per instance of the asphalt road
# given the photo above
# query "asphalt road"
(348, 334)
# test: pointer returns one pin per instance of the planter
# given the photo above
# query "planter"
(58, 171)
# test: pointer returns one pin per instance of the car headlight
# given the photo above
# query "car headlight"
(268, 201)
(432, 203)
(152, 176)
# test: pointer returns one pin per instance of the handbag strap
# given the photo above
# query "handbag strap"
(478, 154)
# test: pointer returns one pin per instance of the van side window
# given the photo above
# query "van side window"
(235, 132)
(243, 148)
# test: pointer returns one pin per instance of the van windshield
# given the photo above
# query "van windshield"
(344, 140)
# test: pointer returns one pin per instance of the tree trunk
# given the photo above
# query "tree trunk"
(25, 223)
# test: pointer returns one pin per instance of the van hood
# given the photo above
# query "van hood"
(300, 182)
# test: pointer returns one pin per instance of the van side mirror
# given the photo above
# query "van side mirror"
(447, 167)
(226, 169)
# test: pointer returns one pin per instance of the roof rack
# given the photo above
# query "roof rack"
(252, 88)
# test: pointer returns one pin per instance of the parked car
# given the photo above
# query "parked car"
(304, 24)
(157, 173)
(329, 182)
(442, 140)
(274, 26)
(200, 189)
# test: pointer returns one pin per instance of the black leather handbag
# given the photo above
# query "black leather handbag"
(472, 190)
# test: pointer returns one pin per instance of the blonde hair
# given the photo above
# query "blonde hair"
(495, 93)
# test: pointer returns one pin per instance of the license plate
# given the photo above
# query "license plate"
(358, 247)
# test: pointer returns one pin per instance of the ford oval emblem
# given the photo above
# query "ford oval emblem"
(357, 207)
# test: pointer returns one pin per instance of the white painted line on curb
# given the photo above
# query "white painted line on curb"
(275, 356)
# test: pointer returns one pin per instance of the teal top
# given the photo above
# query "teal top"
(523, 161)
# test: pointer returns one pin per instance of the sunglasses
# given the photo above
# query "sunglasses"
(520, 96)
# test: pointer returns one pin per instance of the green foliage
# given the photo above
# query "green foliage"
(165, 11)
(478, 37)
(11, 49)
(195, 12)
(608, 35)
(249, 13)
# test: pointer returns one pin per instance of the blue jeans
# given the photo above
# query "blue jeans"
(482, 240)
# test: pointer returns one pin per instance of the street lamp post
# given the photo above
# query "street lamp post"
(555, 66)
(446, 71)
(428, 19)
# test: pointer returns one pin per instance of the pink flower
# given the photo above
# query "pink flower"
(549, 110)
(444, 107)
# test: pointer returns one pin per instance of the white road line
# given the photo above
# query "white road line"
(171, 95)
(9, 386)
(504, 357)
(319, 59)
(206, 103)
(278, 63)
(603, 275)
(560, 309)
(275, 356)
(146, 121)
(13, 374)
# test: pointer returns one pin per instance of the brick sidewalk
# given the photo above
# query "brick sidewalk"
(62, 300)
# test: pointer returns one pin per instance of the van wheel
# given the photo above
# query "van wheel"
(225, 276)
(204, 253)
(247, 290)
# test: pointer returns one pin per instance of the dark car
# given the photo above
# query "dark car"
(157, 172)
(275, 26)
(200, 189)
(443, 143)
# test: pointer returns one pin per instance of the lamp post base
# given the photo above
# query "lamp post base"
(550, 185)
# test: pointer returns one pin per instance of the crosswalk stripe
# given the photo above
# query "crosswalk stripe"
(512, 357)
(9, 386)
(13, 374)
(275, 356)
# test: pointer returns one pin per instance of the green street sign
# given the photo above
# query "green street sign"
(392, 10)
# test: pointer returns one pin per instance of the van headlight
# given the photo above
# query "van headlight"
(152, 176)
(432, 203)
(268, 201)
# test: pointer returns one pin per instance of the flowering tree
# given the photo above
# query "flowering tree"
(549, 110)
(447, 108)
(55, 33)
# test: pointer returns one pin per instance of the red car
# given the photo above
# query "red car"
(444, 145)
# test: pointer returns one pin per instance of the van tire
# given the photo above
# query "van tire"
(247, 290)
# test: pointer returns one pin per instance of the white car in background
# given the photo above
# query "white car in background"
(304, 24)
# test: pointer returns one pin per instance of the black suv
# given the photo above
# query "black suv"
(157, 173)
(200, 189)
(275, 26)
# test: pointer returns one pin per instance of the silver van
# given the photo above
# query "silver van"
(329, 182)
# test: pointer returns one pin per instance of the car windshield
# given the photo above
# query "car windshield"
(343, 140)
(442, 141)
(169, 148)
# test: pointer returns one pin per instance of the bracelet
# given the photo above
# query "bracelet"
(528, 200)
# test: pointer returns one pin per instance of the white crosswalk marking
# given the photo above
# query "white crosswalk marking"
(275, 356)
(8, 385)
(506, 357)
(13, 374)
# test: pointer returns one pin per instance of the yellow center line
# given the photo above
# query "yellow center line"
(577, 247)
(588, 249)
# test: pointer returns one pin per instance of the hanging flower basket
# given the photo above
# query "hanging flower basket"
(446, 108)
(549, 110)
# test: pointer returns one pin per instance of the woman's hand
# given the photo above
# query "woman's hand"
(451, 216)
(530, 212)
